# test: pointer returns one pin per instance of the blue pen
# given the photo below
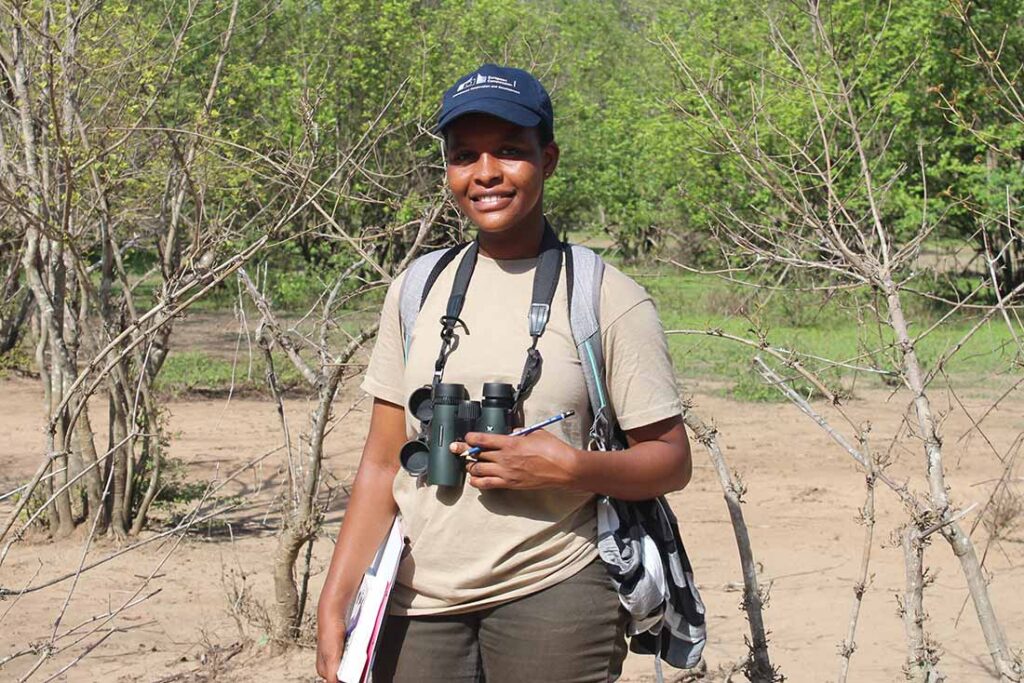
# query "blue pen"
(475, 450)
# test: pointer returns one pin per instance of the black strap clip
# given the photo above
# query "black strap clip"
(449, 342)
(539, 314)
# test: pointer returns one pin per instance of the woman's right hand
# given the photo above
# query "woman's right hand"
(330, 643)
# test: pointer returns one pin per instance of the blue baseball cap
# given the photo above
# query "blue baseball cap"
(510, 94)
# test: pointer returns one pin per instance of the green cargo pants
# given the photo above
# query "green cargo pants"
(573, 632)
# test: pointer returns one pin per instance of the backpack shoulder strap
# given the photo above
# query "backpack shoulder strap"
(419, 278)
(639, 542)
(587, 273)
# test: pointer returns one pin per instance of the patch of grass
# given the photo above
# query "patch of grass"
(291, 290)
(187, 372)
(810, 324)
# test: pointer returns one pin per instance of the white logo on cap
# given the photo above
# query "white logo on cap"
(478, 81)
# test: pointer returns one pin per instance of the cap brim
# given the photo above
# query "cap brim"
(503, 109)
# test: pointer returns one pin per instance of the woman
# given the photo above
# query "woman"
(502, 580)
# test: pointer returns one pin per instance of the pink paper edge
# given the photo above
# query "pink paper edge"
(372, 645)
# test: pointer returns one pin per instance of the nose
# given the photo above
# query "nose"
(488, 170)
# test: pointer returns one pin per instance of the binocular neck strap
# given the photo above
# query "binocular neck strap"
(450, 320)
(545, 282)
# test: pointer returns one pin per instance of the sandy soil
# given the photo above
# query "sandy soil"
(802, 508)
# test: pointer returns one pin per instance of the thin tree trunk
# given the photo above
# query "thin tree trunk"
(304, 581)
(79, 500)
(93, 478)
(1008, 667)
(129, 415)
(153, 443)
(52, 518)
(286, 595)
(128, 495)
(849, 644)
(758, 667)
(12, 327)
(118, 431)
(65, 518)
(42, 331)
(921, 657)
(302, 523)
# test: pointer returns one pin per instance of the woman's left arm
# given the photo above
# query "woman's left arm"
(656, 462)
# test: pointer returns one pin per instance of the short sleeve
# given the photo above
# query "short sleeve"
(638, 368)
(384, 374)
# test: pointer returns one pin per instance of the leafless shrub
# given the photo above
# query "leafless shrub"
(758, 666)
(826, 218)
(244, 606)
(1005, 515)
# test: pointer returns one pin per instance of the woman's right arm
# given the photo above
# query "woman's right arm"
(367, 520)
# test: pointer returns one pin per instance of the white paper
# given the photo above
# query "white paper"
(370, 608)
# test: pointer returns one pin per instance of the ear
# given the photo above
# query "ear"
(550, 158)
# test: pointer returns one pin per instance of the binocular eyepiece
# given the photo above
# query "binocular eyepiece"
(446, 415)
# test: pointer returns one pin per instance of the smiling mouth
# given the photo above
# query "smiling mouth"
(492, 202)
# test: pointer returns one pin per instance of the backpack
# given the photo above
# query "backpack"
(638, 542)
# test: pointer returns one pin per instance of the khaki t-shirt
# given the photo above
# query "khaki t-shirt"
(471, 549)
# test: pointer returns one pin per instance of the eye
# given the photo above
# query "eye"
(460, 157)
(510, 151)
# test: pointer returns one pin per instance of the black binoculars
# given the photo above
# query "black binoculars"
(446, 415)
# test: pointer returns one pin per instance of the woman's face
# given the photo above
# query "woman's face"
(496, 172)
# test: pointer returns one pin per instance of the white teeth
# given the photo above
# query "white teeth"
(490, 199)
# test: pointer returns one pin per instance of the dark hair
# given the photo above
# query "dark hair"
(545, 134)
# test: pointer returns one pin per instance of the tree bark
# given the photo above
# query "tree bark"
(758, 667)
(65, 518)
(118, 524)
(922, 662)
(301, 524)
(155, 458)
(286, 595)
(1006, 664)
(93, 478)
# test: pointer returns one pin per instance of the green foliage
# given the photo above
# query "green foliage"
(175, 488)
(306, 81)
(16, 361)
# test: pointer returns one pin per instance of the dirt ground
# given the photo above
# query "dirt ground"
(802, 508)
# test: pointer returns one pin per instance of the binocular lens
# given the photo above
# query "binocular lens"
(420, 405)
(414, 456)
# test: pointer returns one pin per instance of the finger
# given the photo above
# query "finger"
(488, 483)
(484, 469)
(487, 441)
(458, 447)
(488, 455)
